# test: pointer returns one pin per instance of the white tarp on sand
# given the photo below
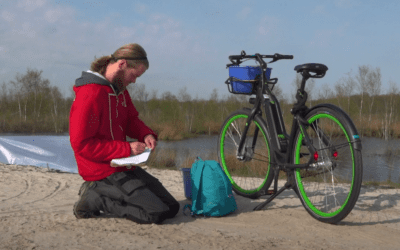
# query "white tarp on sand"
(54, 152)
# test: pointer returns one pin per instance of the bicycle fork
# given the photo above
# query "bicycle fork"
(242, 153)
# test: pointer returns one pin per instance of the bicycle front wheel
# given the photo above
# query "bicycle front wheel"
(252, 175)
(329, 191)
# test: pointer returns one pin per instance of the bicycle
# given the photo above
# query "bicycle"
(321, 157)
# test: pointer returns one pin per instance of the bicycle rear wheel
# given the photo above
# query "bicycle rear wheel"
(251, 176)
(330, 191)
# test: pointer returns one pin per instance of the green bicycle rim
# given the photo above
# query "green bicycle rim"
(252, 191)
(298, 177)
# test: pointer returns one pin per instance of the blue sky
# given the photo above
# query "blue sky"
(188, 42)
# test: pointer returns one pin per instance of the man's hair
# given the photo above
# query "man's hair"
(132, 50)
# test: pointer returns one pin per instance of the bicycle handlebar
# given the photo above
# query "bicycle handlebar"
(257, 57)
(275, 56)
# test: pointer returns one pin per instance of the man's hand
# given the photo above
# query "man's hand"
(137, 147)
(150, 141)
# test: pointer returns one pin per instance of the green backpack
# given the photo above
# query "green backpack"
(211, 190)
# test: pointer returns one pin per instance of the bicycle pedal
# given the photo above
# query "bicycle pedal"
(271, 192)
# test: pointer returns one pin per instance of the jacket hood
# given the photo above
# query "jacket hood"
(90, 77)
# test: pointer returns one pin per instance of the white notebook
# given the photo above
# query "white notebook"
(135, 160)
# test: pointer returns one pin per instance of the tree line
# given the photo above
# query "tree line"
(29, 104)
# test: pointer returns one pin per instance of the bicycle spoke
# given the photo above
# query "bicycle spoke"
(236, 127)
(230, 134)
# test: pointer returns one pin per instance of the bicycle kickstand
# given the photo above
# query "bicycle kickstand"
(262, 205)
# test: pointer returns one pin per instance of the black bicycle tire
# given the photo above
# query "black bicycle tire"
(353, 195)
(263, 129)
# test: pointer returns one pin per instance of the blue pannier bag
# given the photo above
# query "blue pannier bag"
(211, 190)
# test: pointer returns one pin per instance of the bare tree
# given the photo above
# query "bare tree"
(3, 97)
(72, 93)
(373, 89)
(362, 83)
(138, 92)
(310, 84)
(189, 116)
(390, 104)
(154, 94)
(28, 84)
(168, 96)
(325, 92)
(32, 82)
(214, 95)
(277, 91)
(340, 90)
(56, 98)
(183, 95)
(44, 89)
(3, 104)
(349, 85)
(17, 88)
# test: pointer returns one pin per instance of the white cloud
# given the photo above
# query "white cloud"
(125, 32)
(3, 71)
(345, 4)
(320, 9)
(53, 15)
(244, 13)
(155, 17)
(169, 24)
(153, 28)
(27, 30)
(60, 15)
(267, 25)
(140, 8)
(166, 35)
(327, 37)
(30, 5)
(8, 16)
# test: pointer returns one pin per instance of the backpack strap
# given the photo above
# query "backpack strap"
(194, 199)
(198, 182)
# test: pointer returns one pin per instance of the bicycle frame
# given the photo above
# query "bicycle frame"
(275, 125)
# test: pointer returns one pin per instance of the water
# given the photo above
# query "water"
(377, 166)
(56, 152)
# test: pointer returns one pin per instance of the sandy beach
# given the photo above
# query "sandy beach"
(36, 213)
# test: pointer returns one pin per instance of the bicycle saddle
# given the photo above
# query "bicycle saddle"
(312, 67)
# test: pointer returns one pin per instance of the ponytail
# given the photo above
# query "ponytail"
(131, 50)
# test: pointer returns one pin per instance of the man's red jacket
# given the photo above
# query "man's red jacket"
(100, 119)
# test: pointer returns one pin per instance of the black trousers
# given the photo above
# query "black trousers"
(135, 195)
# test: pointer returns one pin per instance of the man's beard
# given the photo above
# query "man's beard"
(118, 81)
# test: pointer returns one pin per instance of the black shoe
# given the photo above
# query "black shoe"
(82, 208)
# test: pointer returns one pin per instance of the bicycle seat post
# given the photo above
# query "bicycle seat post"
(306, 76)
